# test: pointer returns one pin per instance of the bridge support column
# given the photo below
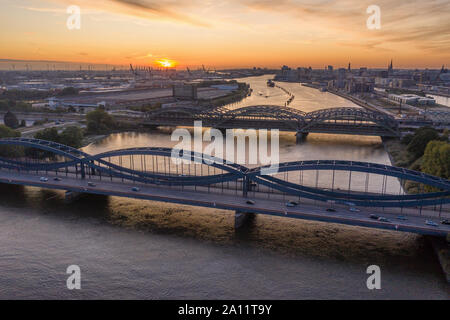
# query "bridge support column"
(223, 130)
(300, 137)
(72, 196)
(241, 219)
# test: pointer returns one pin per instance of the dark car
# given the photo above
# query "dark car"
(331, 210)
(250, 202)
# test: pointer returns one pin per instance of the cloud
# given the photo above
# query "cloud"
(419, 23)
(146, 9)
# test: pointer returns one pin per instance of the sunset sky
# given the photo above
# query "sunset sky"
(233, 33)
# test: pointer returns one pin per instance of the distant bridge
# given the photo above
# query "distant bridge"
(347, 192)
(356, 121)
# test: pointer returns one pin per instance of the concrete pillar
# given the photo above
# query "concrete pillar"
(223, 130)
(71, 196)
(241, 219)
(300, 137)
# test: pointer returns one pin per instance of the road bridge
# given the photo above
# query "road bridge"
(347, 192)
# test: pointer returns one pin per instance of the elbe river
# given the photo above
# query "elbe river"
(148, 250)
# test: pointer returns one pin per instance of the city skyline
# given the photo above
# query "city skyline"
(233, 34)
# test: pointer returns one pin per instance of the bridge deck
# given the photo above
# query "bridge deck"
(273, 206)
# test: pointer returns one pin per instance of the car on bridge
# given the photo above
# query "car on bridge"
(291, 203)
(135, 189)
(91, 184)
(43, 179)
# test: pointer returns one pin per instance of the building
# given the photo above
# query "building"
(383, 82)
(359, 85)
(185, 91)
(402, 83)
(412, 99)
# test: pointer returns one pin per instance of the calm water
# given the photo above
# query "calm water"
(140, 249)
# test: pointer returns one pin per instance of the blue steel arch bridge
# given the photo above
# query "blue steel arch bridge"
(348, 120)
(347, 192)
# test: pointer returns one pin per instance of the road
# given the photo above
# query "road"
(233, 201)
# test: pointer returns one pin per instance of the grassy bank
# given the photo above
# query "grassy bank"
(401, 157)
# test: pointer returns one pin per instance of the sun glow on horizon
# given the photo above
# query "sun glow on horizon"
(165, 63)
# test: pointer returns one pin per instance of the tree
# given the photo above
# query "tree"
(72, 136)
(49, 134)
(436, 159)
(10, 120)
(9, 151)
(420, 140)
(99, 121)
(6, 132)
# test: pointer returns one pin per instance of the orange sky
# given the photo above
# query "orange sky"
(233, 33)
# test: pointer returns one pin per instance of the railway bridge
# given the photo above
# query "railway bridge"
(355, 121)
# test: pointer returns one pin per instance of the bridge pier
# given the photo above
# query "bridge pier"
(241, 219)
(300, 137)
(71, 196)
(151, 126)
(222, 130)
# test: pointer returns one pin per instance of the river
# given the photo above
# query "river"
(148, 250)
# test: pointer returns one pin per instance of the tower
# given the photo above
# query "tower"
(390, 68)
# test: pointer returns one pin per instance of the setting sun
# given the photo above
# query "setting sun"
(165, 63)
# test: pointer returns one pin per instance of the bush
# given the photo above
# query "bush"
(407, 139)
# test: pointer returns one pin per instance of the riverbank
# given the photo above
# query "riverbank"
(399, 156)
(87, 140)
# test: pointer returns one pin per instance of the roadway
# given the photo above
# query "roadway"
(233, 201)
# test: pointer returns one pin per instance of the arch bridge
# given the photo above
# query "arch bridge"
(347, 120)
(347, 192)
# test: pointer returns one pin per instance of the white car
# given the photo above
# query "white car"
(43, 179)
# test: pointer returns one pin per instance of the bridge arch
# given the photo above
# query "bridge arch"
(359, 199)
(350, 114)
(291, 116)
(243, 177)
